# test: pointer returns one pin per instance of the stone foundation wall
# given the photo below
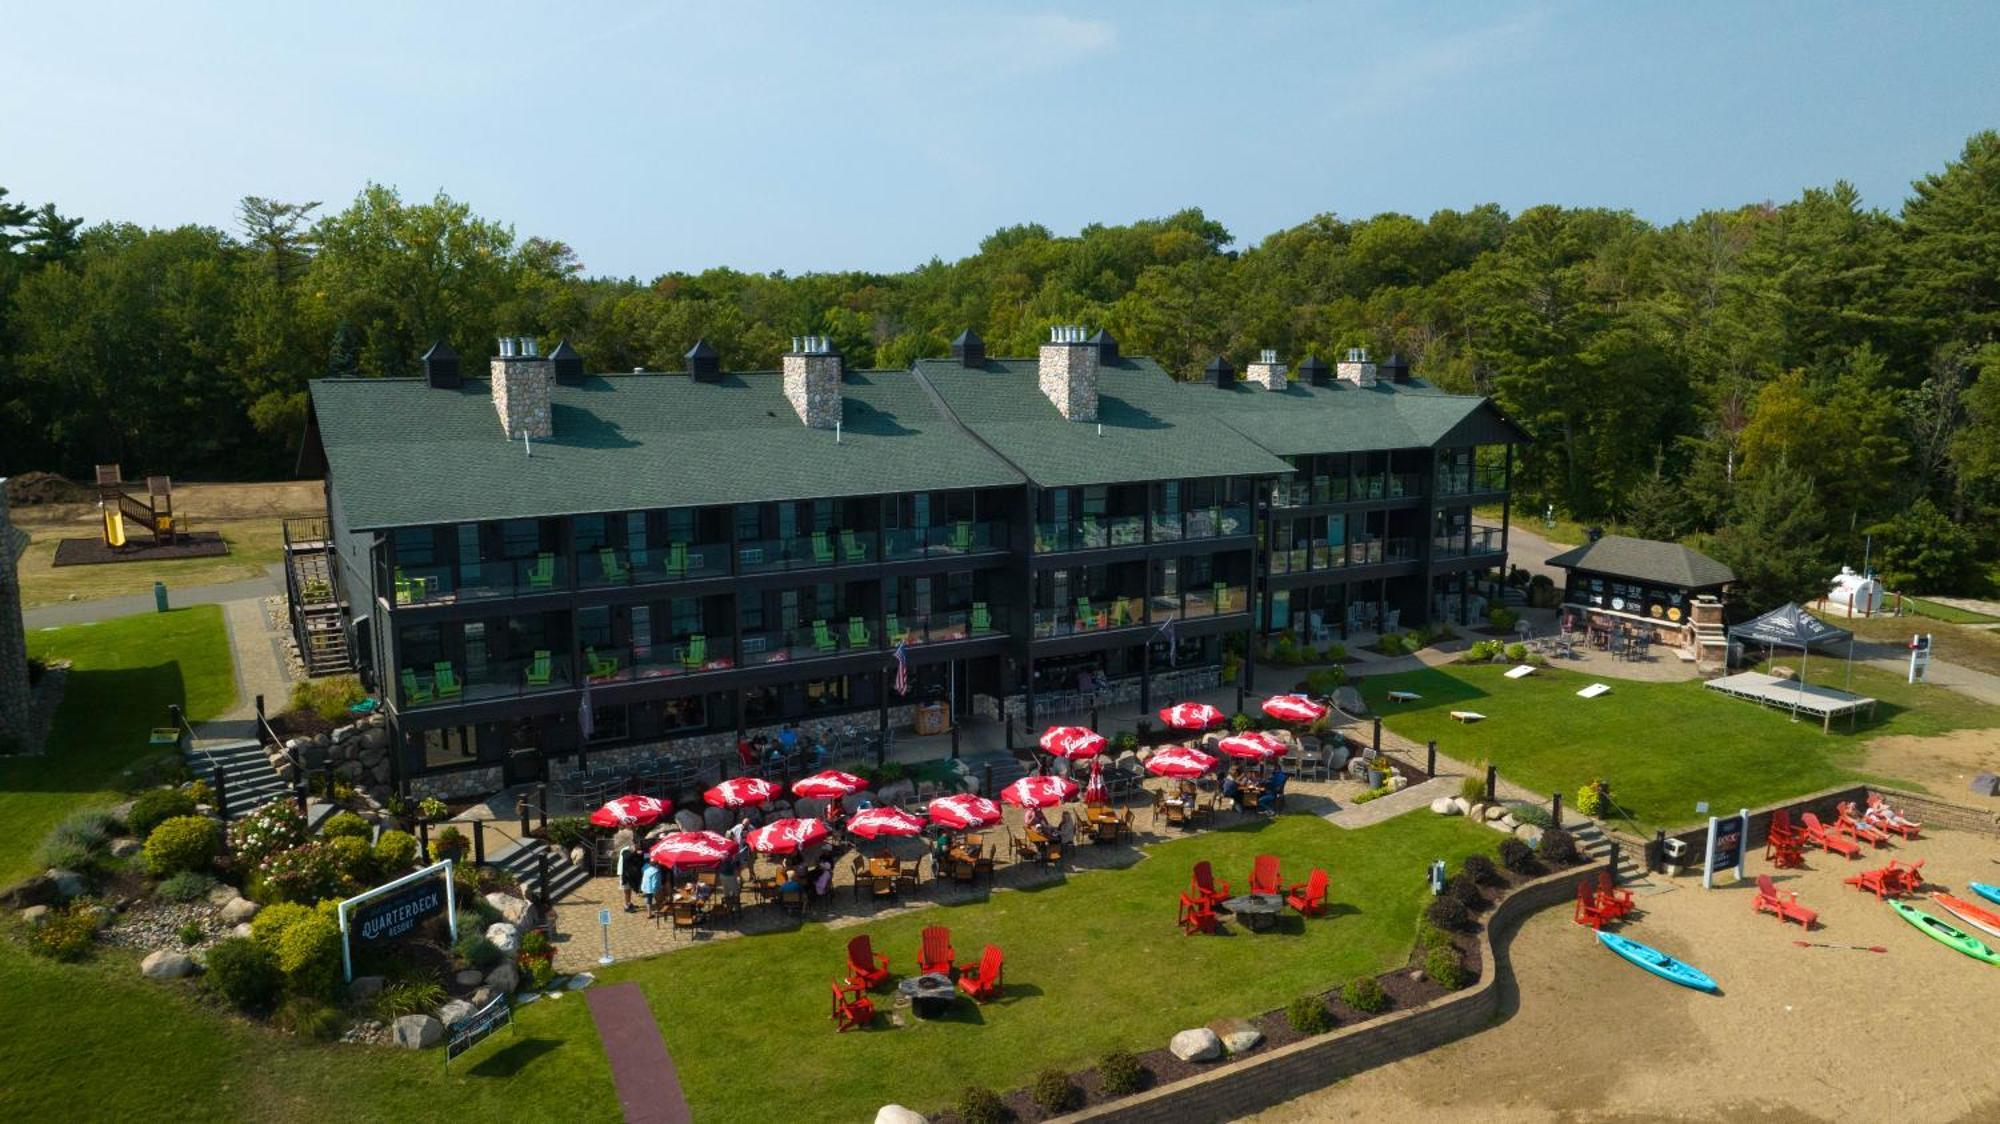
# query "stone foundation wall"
(357, 753)
(458, 785)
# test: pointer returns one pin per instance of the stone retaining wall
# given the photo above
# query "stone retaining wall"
(1234, 1090)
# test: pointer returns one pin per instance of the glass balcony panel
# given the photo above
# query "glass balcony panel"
(419, 585)
(1166, 528)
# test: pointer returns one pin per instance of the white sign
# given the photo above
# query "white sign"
(1920, 656)
(604, 920)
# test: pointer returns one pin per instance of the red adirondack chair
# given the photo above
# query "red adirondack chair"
(1206, 889)
(1613, 902)
(934, 955)
(1784, 904)
(1784, 843)
(1886, 818)
(1905, 880)
(1587, 912)
(1850, 825)
(866, 968)
(1264, 875)
(1308, 897)
(1881, 882)
(1818, 835)
(983, 982)
(1196, 916)
(851, 1009)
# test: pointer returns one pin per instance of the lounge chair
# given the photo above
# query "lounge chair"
(1587, 911)
(446, 680)
(1085, 618)
(405, 589)
(1264, 875)
(1854, 827)
(892, 629)
(1882, 882)
(695, 656)
(1818, 834)
(1785, 905)
(981, 620)
(1206, 889)
(1612, 900)
(677, 560)
(542, 575)
(983, 982)
(822, 548)
(851, 1009)
(415, 690)
(822, 639)
(1309, 897)
(934, 953)
(601, 667)
(615, 571)
(851, 549)
(539, 668)
(961, 536)
(857, 633)
(866, 968)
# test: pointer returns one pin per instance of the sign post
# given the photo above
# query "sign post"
(1920, 656)
(403, 902)
(604, 921)
(1725, 846)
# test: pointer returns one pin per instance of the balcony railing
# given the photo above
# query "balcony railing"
(945, 540)
(614, 566)
(820, 548)
(441, 683)
(1318, 489)
(939, 628)
(1312, 556)
(1090, 614)
(1484, 540)
(1370, 552)
(1461, 481)
(1090, 533)
(1217, 522)
(811, 641)
(685, 655)
(513, 577)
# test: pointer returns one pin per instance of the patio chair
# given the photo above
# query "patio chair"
(851, 1009)
(1854, 827)
(934, 954)
(1881, 815)
(601, 667)
(981, 620)
(792, 902)
(1612, 900)
(695, 655)
(1784, 905)
(1906, 879)
(446, 680)
(539, 668)
(963, 871)
(542, 575)
(1880, 882)
(906, 880)
(405, 588)
(1178, 814)
(415, 690)
(1196, 916)
(1309, 897)
(1206, 889)
(614, 570)
(822, 548)
(983, 982)
(1587, 912)
(857, 633)
(1020, 849)
(677, 560)
(892, 629)
(1264, 875)
(1085, 618)
(822, 639)
(683, 916)
(851, 549)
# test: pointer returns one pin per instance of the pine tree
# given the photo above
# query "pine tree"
(343, 359)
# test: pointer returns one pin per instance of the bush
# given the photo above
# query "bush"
(1119, 1074)
(310, 1018)
(1503, 619)
(569, 831)
(1531, 814)
(268, 927)
(64, 934)
(190, 934)
(342, 824)
(182, 843)
(304, 874)
(156, 807)
(244, 972)
(535, 943)
(1473, 788)
(395, 852)
(1480, 869)
(62, 854)
(431, 808)
(275, 827)
(408, 997)
(1447, 912)
(329, 697)
(448, 843)
(308, 955)
(165, 767)
(1326, 681)
(1590, 799)
(1463, 887)
(473, 948)
(353, 859)
(1557, 848)
(1308, 1015)
(1054, 1093)
(1444, 966)
(1516, 653)
(538, 973)
(1431, 938)
(87, 832)
(1365, 994)
(1517, 856)
(1483, 651)
(187, 886)
(979, 1105)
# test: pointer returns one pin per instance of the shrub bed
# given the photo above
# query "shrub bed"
(182, 843)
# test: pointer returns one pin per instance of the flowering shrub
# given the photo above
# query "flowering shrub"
(275, 827)
(353, 858)
(304, 874)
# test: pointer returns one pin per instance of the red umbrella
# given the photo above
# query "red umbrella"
(1180, 761)
(871, 822)
(963, 811)
(1255, 745)
(691, 849)
(630, 811)
(1073, 742)
(783, 837)
(1191, 716)
(829, 785)
(1294, 708)
(1094, 792)
(742, 792)
(1039, 792)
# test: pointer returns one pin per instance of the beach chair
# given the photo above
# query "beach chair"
(1264, 875)
(1817, 834)
(677, 560)
(405, 588)
(1196, 916)
(1852, 826)
(865, 967)
(1206, 889)
(822, 548)
(857, 633)
(1904, 880)
(822, 639)
(446, 681)
(1615, 903)
(415, 690)
(695, 655)
(1587, 912)
(601, 667)
(1881, 815)
(983, 982)
(614, 570)
(934, 953)
(1784, 904)
(542, 575)
(539, 668)
(1085, 618)
(981, 620)
(1308, 897)
(851, 1009)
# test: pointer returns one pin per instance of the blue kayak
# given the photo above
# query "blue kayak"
(1657, 962)
(1990, 893)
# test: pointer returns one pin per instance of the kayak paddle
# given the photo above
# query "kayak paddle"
(1856, 947)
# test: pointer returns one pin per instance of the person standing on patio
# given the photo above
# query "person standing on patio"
(649, 885)
(628, 861)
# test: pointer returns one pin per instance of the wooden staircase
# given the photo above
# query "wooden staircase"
(319, 616)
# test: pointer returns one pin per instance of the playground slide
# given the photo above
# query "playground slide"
(114, 527)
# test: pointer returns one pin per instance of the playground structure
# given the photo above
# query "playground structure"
(122, 510)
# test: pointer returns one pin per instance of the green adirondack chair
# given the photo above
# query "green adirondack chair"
(414, 690)
(539, 668)
(448, 686)
(1085, 617)
(601, 667)
(542, 575)
(822, 639)
(695, 655)
(850, 548)
(1119, 616)
(857, 633)
(677, 560)
(893, 628)
(1222, 597)
(961, 535)
(405, 589)
(614, 570)
(822, 548)
(981, 621)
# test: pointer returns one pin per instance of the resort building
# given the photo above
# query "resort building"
(542, 562)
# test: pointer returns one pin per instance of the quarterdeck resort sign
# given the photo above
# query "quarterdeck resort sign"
(394, 908)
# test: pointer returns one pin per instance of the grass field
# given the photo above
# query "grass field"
(1950, 614)
(1976, 648)
(1662, 746)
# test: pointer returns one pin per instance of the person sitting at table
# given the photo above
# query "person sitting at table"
(1066, 830)
(702, 892)
(746, 752)
(788, 737)
(1187, 793)
(1232, 783)
(1267, 801)
(823, 879)
(791, 882)
(1037, 821)
(940, 849)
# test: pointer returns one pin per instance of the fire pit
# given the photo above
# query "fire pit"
(930, 995)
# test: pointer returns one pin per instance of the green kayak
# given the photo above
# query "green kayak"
(1945, 934)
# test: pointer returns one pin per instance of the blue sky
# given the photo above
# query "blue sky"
(655, 137)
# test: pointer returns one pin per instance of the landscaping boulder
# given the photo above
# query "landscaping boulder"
(34, 915)
(481, 996)
(579, 981)
(1528, 833)
(1496, 811)
(375, 738)
(36, 889)
(504, 978)
(418, 1032)
(125, 848)
(343, 733)
(469, 978)
(239, 910)
(364, 988)
(897, 1114)
(167, 964)
(314, 756)
(1397, 782)
(101, 916)
(687, 820)
(505, 937)
(223, 895)
(1499, 827)
(242, 930)
(1460, 805)
(1986, 784)
(458, 1010)
(1349, 700)
(514, 911)
(1198, 1045)
(1443, 806)
(1237, 1035)
(1509, 822)
(68, 883)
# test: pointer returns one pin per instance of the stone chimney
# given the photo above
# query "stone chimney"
(16, 704)
(1356, 368)
(1267, 372)
(521, 381)
(1069, 372)
(812, 381)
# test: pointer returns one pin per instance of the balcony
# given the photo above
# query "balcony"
(616, 566)
(513, 577)
(1372, 552)
(1319, 489)
(446, 682)
(818, 640)
(1308, 558)
(686, 655)
(1463, 481)
(1217, 522)
(1484, 540)
(1218, 600)
(1090, 533)
(946, 540)
(821, 548)
(939, 628)
(1101, 614)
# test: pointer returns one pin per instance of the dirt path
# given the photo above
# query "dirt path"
(1799, 1034)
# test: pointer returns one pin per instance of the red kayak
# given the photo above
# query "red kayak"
(1970, 914)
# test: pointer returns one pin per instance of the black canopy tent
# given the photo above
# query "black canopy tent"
(1789, 626)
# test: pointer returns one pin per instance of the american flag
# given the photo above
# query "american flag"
(902, 667)
(1166, 635)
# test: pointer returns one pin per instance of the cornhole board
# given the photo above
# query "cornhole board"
(1594, 690)
(1520, 672)
(1467, 716)
(1403, 696)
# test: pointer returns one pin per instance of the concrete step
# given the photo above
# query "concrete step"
(520, 860)
(248, 778)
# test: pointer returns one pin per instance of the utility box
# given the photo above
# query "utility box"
(160, 597)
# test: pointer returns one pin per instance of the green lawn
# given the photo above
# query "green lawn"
(1949, 613)
(1663, 746)
(125, 674)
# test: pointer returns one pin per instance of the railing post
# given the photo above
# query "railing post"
(1492, 782)
(220, 784)
(1656, 853)
(1375, 742)
(1431, 759)
(954, 738)
(1093, 718)
(521, 806)
(1611, 860)
(986, 789)
(1556, 809)
(424, 837)
(542, 806)
(478, 842)
(1010, 733)
(542, 881)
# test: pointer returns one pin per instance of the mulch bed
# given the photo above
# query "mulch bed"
(302, 724)
(90, 552)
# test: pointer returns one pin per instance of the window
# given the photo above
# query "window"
(677, 715)
(468, 553)
(680, 525)
(420, 646)
(827, 694)
(1170, 497)
(520, 538)
(593, 626)
(749, 522)
(591, 531)
(642, 630)
(750, 611)
(442, 749)
(760, 704)
(635, 530)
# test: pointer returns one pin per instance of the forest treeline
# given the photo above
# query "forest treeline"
(1776, 382)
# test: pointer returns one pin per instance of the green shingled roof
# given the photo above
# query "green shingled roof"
(1662, 563)
(1344, 418)
(403, 453)
(1144, 430)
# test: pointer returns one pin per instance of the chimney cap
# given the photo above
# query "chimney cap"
(440, 350)
(1067, 333)
(813, 345)
(1314, 370)
(1221, 372)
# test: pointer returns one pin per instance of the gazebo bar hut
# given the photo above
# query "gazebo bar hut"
(1639, 587)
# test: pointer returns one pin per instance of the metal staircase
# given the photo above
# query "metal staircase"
(312, 593)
